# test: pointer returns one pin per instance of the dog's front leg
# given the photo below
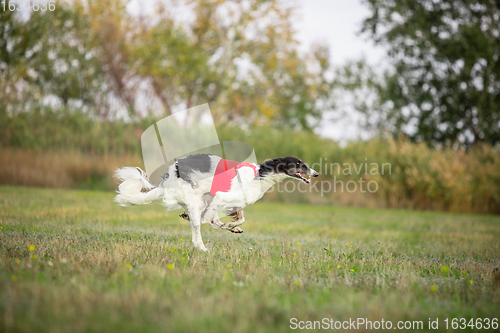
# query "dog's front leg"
(209, 214)
(214, 221)
(238, 219)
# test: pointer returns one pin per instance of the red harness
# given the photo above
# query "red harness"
(225, 173)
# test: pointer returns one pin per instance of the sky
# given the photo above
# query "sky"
(337, 23)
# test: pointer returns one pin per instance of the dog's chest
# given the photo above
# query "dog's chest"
(229, 174)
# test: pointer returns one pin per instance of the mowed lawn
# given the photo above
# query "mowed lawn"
(98, 267)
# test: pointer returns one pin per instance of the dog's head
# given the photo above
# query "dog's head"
(289, 166)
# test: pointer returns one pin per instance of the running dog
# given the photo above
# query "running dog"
(202, 184)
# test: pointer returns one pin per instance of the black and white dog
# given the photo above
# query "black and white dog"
(202, 184)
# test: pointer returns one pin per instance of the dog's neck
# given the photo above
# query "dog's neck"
(269, 179)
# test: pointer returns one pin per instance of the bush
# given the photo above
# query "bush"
(69, 149)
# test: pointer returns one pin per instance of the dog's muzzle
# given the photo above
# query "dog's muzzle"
(313, 173)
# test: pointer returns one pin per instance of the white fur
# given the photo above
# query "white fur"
(131, 190)
(136, 189)
(133, 182)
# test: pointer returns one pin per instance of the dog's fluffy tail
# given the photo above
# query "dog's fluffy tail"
(135, 188)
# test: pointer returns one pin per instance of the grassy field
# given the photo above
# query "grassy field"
(98, 267)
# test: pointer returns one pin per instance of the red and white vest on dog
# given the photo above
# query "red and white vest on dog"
(226, 172)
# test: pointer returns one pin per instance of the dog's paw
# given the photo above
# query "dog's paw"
(236, 230)
(200, 246)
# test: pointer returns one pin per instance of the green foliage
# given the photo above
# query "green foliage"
(67, 129)
(445, 86)
(242, 58)
(104, 268)
(51, 55)
(61, 62)
(229, 58)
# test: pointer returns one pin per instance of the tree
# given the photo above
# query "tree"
(445, 86)
(242, 57)
(52, 57)
(14, 43)
(60, 58)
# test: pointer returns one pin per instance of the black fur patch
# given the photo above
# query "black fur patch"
(198, 162)
(177, 170)
(188, 164)
(288, 165)
(270, 167)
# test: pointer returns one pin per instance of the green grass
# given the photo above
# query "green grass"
(104, 268)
